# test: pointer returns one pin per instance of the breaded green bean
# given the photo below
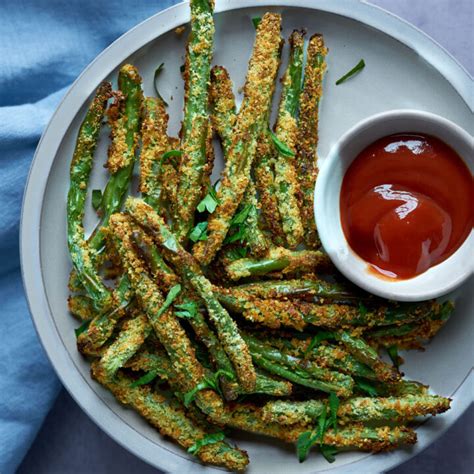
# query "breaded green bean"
(125, 123)
(279, 260)
(80, 170)
(358, 409)
(307, 289)
(130, 339)
(222, 105)
(154, 144)
(301, 371)
(250, 123)
(227, 330)
(195, 130)
(171, 420)
(81, 307)
(367, 355)
(265, 183)
(307, 142)
(286, 130)
(297, 314)
(223, 118)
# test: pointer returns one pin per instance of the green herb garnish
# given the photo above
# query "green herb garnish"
(96, 199)
(394, 357)
(83, 327)
(147, 378)
(199, 232)
(210, 201)
(360, 65)
(366, 387)
(256, 21)
(171, 154)
(333, 407)
(362, 309)
(170, 297)
(211, 382)
(328, 452)
(189, 309)
(208, 439)
(281, 147)
(321, 336)
(155, 80)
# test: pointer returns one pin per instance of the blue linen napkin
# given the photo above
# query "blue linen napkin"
(44, 45)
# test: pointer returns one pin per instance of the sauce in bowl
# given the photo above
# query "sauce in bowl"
(407, 203)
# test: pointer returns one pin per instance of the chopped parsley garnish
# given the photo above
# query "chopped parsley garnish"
(96, 199)
(208, 439)
(199, 232)
(189, 309)
(256, 21)
(211, 382)
(281, 147)
(209, 202)
(360, 65)
(155, 80)
(147, 378)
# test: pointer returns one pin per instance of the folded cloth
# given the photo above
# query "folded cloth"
(44, 45)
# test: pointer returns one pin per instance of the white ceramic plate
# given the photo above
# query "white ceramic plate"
(405, 69)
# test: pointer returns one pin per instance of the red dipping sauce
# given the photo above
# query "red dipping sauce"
(407, 203)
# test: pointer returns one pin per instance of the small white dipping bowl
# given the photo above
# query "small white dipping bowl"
(437, 280)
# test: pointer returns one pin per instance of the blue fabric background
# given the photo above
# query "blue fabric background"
(44, 45)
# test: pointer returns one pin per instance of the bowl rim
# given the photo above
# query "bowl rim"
(135, 38)
(401, 290)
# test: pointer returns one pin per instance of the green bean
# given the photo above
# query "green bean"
(129, 340)
(80, 170)
(195, 130)
(250, 122)
(301, 372)
(308, 133)
(154, 144)
(121, 161)
(279, 259)
(358, 409)
(367, 355)
(286, 130)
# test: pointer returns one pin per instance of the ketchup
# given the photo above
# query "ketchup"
(407, 203)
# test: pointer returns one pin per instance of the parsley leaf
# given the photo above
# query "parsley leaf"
(366, 387)
(82, 328)
(393, 354)
(208, 382)
(189, 309)
(357, 68)
(333, 407)
(328, 452)
(362, 309)
(209, 202)
(96, 198)
(238, 229)
(304, 443)
(281, 147)
(147, 378)
(256, 21)
(199, 232)
(170, 297)
(155, 79)
(210, 438)
(317, 339)
(242, 215)
(171, 154)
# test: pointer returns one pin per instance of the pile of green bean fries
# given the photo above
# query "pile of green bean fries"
(209, 307)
